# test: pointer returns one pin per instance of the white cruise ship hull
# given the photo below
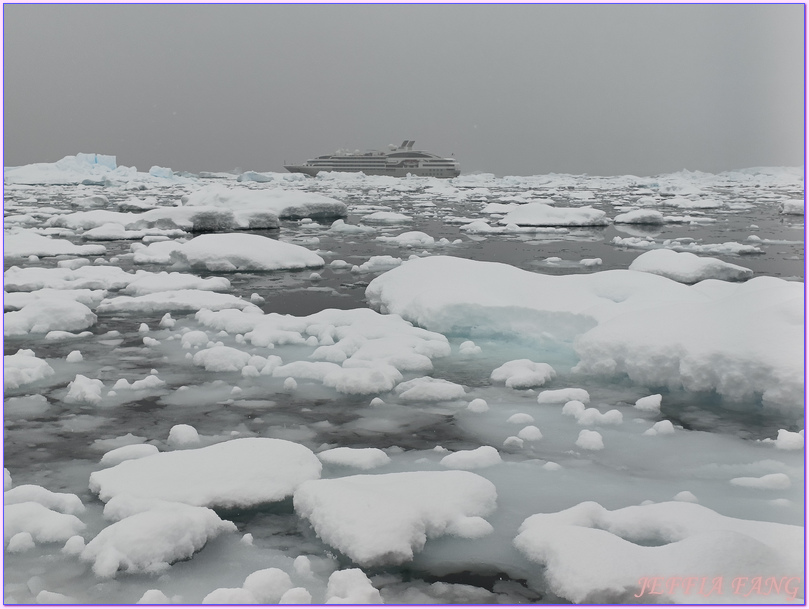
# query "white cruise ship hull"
(399, 163)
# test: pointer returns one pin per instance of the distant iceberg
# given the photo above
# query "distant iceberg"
(87, 169)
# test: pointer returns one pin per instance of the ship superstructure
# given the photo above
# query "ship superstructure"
(397, 162)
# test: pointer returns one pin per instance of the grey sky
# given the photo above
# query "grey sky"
(510, 89)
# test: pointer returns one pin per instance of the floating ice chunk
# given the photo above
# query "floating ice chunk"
(362, 458)
(377, 263)
(485, 456)
(87, 278)
(409, 239)
(74, 357)
(590, 440)
(244, 252)
(21, 244)
(386, 217)
(183, 435)
(592, 416)
(556, 396)
(153, 597)
(591, 554)
(173, 300)
(44, 525)
(24, 368)
(284, 203)
(513, 442)
(686, 496)
(551, 466)
(540, 214)
(230, 596)
(351, 587)
(165, 282)
(42, 315)
(290, 384)
(686, 267)
(229, 474)
(6, 480)
(21, 542)
(650, 403)
(768, 482)
(268, 585)
(219, 359)
(385, 518)
(340, 226)
(478, 405)
(124, 453)
(640, 216)
(429, 389)
(84, 390)
(662, 428)
(523, 373)
(520, 418)
(793, 207)
(788, 440)
(296, 596)
(530, 433)
(588, 262)
(468, 348)
(573, 408)
(66, 503)
(148, 542)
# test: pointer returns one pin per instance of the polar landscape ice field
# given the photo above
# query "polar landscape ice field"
(269, 388)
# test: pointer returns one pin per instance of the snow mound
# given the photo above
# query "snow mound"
(385, 518)
(686, 267)
(523, 374)
(21, 244)
(351, 587)
(362, 458)
(230, 474)
(148, 542)
(591, 554)
(124, 453)
(540, 214)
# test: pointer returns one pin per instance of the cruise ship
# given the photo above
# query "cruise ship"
(397, 162)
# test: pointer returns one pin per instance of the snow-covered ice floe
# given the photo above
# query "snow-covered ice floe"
(736, 339)
(385, 518)
(646, 552)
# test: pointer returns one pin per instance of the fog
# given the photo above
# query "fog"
(507, 89)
